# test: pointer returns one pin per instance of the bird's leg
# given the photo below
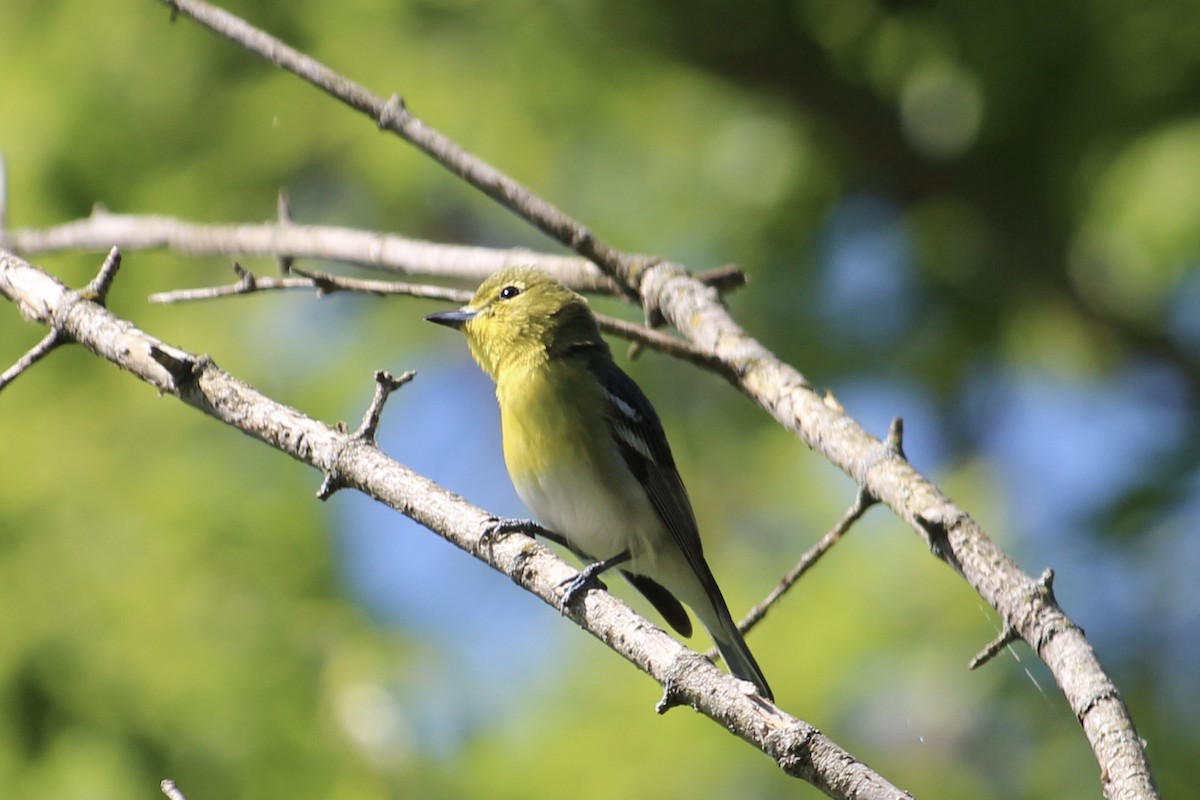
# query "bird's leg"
(499, 528)
(588, 577)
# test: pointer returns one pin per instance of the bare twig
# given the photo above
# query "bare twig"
(35, 354)
(1008, 634)
(283, 211)
(724, 279)
(97, 290)
(862, 501)
(287, 241)
(327, 283)
(385, 384)
(324, 283)
(131, 232)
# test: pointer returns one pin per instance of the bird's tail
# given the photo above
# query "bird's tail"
(692, 582)
(734, 651)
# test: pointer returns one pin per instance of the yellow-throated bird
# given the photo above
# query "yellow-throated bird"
(587, 454)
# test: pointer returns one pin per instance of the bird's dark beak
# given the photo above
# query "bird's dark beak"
(452, 319)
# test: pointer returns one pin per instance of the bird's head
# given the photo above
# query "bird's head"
(521, 315)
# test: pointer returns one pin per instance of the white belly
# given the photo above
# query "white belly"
(597, 525)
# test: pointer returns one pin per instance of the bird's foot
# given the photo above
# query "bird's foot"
(498, 528)
(587, 578)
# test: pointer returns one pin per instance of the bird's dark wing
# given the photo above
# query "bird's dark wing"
(639, 434)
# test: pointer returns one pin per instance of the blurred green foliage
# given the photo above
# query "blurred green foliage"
(172, 605)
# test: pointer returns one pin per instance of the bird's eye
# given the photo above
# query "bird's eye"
(509, 292)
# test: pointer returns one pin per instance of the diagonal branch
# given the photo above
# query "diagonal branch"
(949, 532)
(392, 115)
(861, 503)
(351, 460)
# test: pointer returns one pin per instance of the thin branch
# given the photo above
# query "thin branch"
(640, 335)
(797, 747)
(35, 354)
(287, 241)
(1008, 634)
(324, 283)
(862, 501)
(283, 212)
(385, 384)
(724, 279)
(327, 283)
(98, 288)
(401, 254)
